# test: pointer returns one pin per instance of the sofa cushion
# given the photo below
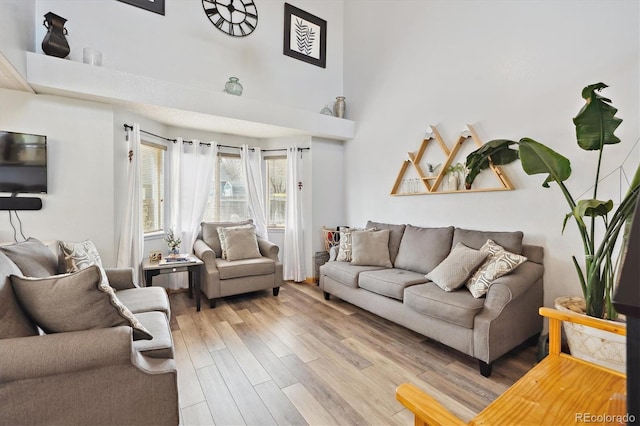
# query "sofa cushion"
(370, 248)
(422, 249)
(456, 269)
(77, 256)
(210, 233)
(345, 273)
(161, 346)
(73, 302)
(499, 263)
(245, 267)
(456, 307)
(32, 257)
(13, 320)
(511, 241)
(395, 236)
(145, 299)
(389, 282)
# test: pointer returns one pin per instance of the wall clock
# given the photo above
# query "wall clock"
(238, 18)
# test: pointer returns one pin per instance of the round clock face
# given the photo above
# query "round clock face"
(238, 18)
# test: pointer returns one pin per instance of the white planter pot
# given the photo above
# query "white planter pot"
(593, 345)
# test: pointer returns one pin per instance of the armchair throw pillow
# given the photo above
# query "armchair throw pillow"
(457, 267)
(210, 233)
(72, 302)
(499, 263)
(241, 243)
(370, 248)
(223, 240)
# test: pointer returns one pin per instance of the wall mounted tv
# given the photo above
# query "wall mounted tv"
(23, 163)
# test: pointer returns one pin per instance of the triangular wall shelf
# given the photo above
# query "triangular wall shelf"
(432, 184)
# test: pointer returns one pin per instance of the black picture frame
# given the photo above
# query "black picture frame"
(156, 6)
(309, 46)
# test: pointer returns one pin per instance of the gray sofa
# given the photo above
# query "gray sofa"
(91, 376)
(223, 278)
(484, 328)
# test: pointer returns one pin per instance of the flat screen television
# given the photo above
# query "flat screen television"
(23, 163)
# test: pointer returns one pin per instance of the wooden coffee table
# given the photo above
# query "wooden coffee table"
(193, 266)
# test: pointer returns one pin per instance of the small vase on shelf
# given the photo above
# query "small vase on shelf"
(326, 111)
(54, 42)
(339, 107)
(233, 86)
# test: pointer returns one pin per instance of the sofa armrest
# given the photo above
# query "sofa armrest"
(268, 249)
(510, 286)
(53, 354)
(121, 278)
(204, 252)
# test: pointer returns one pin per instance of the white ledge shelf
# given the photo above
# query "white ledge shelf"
(178, 105)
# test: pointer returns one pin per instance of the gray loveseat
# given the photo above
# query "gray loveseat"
(484, 328)
(93, 376)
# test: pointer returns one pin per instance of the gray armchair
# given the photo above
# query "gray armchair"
(223, 277)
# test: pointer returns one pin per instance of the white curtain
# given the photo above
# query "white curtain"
(131, 241)
(192, 166)
(293, 252)
(252, 169)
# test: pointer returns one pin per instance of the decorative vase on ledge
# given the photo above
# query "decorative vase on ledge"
(339, 107)
(54, 42)
(233, 86)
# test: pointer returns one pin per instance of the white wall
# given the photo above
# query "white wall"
(17, 35)
(79, 203)
(183, 46)
(511, 69)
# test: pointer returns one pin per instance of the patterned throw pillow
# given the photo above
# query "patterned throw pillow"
(458, 266)
(79, 256)
(499, 263)
(223, 240)
(73, 302)
(344, 250)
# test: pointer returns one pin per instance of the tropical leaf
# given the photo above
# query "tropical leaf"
(496, 151)
(593, 208)
(537, 158)
(596, 121)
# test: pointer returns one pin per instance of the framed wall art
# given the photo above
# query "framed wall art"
(305, 36)
(156, 6)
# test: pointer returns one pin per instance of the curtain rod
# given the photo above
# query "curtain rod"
(130, 127)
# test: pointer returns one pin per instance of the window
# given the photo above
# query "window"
(276, 182)
(228, 197)
(152, 181)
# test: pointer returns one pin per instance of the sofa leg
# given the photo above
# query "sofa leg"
(276, 290)
(485, 369)
(212, 303)
(327, 296)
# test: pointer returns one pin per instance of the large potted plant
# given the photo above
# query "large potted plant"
(600, 226)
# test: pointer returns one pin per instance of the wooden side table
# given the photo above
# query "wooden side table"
(193, 266)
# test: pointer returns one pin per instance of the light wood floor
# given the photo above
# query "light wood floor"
(298, 359)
